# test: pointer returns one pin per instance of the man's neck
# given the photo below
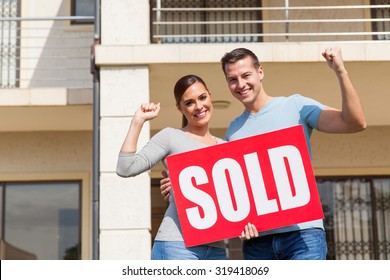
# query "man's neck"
(259, 103)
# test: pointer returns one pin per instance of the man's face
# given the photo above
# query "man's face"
(244, 81)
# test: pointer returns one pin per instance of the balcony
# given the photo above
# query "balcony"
(45, 66)
(248, 21)
(45, 53)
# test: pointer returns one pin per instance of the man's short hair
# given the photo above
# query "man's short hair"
(238, 54)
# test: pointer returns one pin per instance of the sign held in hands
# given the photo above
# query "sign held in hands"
(266, 179)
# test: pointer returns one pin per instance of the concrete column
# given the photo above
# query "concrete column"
(125, 204)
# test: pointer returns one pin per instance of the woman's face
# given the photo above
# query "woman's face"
(195, 105)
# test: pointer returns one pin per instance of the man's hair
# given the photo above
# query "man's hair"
(238, 54)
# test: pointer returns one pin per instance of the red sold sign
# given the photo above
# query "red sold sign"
(266, 179)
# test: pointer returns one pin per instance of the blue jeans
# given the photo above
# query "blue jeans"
(176, 250)
(308, 244)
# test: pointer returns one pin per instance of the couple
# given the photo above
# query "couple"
(263, 113)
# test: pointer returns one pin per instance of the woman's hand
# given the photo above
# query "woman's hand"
(249, 232)
(147, 111)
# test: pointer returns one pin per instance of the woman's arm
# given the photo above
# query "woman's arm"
(130, 164)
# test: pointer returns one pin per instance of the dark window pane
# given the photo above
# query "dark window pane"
(83, 8)
(380, 13)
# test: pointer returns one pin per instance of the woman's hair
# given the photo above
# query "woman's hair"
(238, 54)
(180, 88)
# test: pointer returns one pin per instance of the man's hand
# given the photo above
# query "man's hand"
(334, 59)
(165, 186)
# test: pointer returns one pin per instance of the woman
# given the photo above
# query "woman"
(193, 100)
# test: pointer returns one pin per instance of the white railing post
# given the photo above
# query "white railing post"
(286, 4)
(158, 18)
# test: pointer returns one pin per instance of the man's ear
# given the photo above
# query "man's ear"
(261, 72)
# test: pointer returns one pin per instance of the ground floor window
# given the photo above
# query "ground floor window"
(40, 220)
(357, 217)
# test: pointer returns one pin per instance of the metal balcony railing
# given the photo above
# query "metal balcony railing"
(45, 52)
(212, 22)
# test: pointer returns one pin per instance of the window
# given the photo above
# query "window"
(357, 217)
(83, 8)
(381, 13)
(40, 220)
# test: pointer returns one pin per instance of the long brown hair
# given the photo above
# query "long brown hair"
(180, 88)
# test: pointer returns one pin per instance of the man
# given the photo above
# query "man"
(264, 113)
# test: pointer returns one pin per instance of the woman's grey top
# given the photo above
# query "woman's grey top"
(167, 142)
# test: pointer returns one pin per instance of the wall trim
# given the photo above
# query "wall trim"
(353, 171)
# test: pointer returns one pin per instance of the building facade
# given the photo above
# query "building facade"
(63, 127)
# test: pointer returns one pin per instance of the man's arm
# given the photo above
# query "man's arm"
(351, 117)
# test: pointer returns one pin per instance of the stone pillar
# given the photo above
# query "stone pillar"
(125, 204)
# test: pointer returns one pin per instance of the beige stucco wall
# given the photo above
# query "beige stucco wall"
(368, 152)
(34, 152)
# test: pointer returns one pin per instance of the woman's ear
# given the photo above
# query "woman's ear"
(178, 108)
